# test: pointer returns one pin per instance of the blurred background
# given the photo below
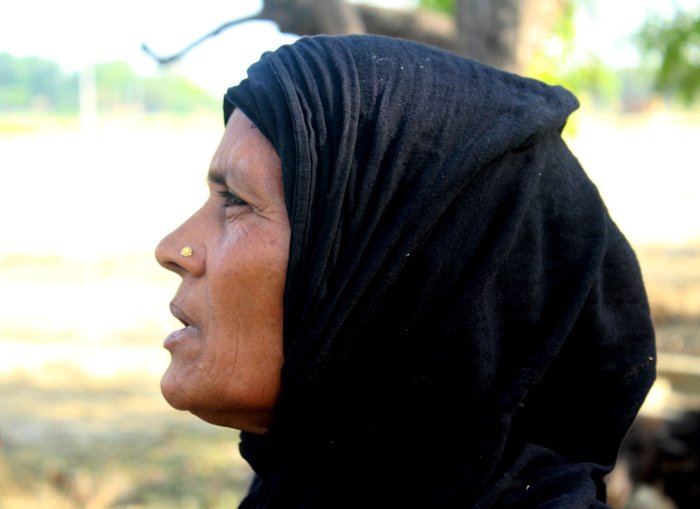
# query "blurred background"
(109, 114)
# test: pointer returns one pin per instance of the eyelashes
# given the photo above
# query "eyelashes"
(230, 199)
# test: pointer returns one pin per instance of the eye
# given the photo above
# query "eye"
(230, 199)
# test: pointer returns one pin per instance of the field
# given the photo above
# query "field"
(84, 305)
(78, 442)
(672, 277)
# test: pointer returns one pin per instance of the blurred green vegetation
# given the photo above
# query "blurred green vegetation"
(559, 61)
(446, 6)
(672, 47)
(670, 69)
(33, 84)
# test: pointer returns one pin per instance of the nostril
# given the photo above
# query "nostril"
(160, 253)
(167, 255)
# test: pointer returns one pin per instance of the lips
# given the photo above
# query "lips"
(179, 336)
(178, 313)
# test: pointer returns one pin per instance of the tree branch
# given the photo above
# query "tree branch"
(310, 17)
(176, 56)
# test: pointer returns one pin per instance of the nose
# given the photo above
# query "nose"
(181, 251)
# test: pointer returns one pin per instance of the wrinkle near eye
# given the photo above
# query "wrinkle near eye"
(231, 199)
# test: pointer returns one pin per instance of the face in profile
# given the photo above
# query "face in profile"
(226, 360)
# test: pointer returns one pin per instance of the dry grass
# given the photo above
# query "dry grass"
(72, 440)
(80, 442)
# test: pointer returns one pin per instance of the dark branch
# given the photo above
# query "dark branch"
(309, 17)
(176, 56)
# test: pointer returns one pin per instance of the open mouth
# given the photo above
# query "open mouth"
(181, 316)
(180, 337)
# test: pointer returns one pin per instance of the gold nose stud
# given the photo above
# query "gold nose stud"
(186, 251)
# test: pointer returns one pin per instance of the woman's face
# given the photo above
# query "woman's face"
(226, 360)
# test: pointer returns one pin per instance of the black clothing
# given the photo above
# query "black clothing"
(464, 324)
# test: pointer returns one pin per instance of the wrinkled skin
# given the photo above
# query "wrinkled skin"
(226, 361)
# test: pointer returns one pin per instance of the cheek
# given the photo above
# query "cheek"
(240, 357)
(246, 287)
(248, 273)
(246, 318)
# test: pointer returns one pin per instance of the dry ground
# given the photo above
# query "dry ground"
(78, 442)
(76, 435)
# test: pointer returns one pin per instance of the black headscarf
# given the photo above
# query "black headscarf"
(464, 324)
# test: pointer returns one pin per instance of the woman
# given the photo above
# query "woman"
(404, 289)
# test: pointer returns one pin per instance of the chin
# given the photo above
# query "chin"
(252, 421)
(173, 393)
(181, 395)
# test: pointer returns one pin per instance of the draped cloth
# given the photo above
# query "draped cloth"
(464, 324)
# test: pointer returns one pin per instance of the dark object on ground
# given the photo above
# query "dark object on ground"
(665, 453)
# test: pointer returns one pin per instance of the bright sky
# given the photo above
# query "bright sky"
(77, 32)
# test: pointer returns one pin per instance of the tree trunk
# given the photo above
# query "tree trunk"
(488, 30)
(505, 33)
(418, 25)
(309, 17)
(502, 33)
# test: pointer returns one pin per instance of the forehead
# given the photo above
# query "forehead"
(241, 139)
(245, 154)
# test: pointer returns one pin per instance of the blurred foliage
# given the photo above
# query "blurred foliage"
(171, 93)
(32, 84)
(446, 6)
(561, 62)
(673, 46)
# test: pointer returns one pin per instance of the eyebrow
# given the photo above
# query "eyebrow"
(216, 178)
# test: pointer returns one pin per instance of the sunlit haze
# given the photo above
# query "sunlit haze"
(78, 32)
(83, 209)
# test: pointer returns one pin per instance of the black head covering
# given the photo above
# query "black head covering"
(464, 324)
